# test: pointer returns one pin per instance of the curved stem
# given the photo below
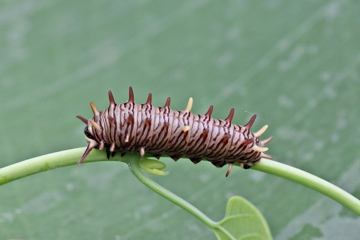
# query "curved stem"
(70, 157)
(139, 174)
(48, 162)
(311, 181)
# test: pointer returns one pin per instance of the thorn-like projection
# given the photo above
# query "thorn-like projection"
(93, 108)
(266, 141)
(189, 105)
(263, 155)
(231, 115)
(175, 157)
(149, 99)
(219, 164)
(112, 148)
(186, 128)
(241, 165)
(167, 104)
(142, 151)
(209, 112)
(147, 122)
(204, 134)
(165, 127)
(196, 160)
(101, 147)
(261, 131)
(111, 98)
(127, 138)
(157, 156)
(230, 165)
(130, 119)
(112, 121)
(247, 141)
(251, 122)
(90, 146)
(94, 124)
(131, 95)
(260, 149)
(84, 120)
(107, 153)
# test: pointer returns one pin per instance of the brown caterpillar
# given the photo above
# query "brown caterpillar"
(132, 127)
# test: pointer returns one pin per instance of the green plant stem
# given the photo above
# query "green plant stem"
(48, 162)
(139, 174)
(70, 157)
(311, 181)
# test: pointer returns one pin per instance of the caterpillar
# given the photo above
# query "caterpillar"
(144, 128)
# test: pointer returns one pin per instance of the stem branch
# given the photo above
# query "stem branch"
(139, 174)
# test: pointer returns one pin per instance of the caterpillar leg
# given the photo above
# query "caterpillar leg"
(230, 165)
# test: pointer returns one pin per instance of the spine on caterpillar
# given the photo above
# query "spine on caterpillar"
(143, 128)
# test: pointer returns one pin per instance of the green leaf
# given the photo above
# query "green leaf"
(242, 221)
(153, 166)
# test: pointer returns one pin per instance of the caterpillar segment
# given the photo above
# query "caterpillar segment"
(144, 128)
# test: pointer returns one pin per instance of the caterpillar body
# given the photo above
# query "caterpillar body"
(144, 128)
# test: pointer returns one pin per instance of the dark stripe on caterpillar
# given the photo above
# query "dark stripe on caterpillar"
(143, 128)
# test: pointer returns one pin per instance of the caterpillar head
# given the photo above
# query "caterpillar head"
(88, 132)
(93, 129)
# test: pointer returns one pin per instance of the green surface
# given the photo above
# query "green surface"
(294, 63)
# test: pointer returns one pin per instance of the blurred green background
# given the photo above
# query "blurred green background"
(294, 63)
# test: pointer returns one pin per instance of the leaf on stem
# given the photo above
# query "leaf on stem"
(242, 221)
(153, 166)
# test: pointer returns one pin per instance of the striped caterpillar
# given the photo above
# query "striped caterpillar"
(132, 127)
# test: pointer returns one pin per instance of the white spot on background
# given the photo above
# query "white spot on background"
(257, 176)
(334, 138)
(341, 123)
(325, 76)
(341, 120)
(15, 41)
(332, 10)
(325, 215)
(284, 44)
(263, 63)
(312, 103)
(204, 177)
(312, 49)
(233, 33)
(69, 187)
(225, 59)
(178, 75)
(229, 195)
(337, 228)
(284, 101)
(294, 57)
(330, 92)
(7, 217)
(191, 226)
(319, 145)
(143, 210)
(307, 156)
(102, 180)
(43, 202)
